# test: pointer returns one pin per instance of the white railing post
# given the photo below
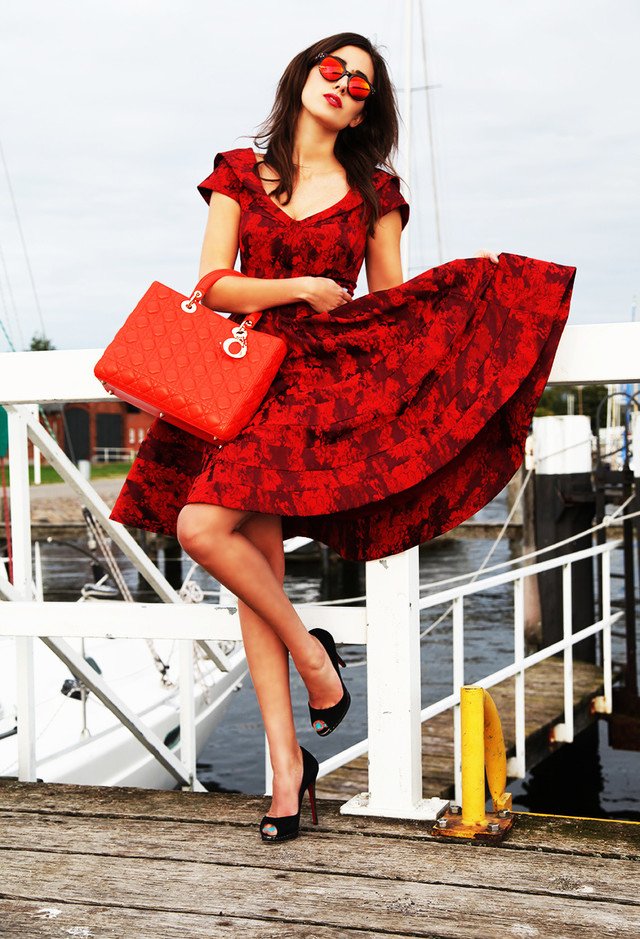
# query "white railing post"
(565, 733)
(37, 461)
(20, 503)
(518, 765)
(188, 750)
(394, 693)
(606, 629)
(458, 682)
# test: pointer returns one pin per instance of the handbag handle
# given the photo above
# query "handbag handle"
(207, 281)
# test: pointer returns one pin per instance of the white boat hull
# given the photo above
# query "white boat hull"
(85, 743)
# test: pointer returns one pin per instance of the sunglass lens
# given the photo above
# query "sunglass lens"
(359, 88)
(331, 69)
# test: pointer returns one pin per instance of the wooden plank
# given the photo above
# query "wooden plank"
(374, 856)
(289, 895)
(32, 919)
(600, 837)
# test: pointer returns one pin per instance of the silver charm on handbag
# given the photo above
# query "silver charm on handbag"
(239, 336)
(239, 332)
(188, 305)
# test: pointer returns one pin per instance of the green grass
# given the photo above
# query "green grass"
(98, 471)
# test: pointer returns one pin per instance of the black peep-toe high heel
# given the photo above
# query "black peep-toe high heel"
(288, 826)
(325, 720)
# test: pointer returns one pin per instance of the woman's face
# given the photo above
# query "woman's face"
(349, 114)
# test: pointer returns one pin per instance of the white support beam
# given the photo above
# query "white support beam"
(458, 683)
(48, 377)
(595, 353)
(188, 749)
(518, 767)
(119, 619)
(394, 694)
(7, 590)
(567, 631)
(20, 508)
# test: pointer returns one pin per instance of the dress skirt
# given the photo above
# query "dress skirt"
(392, 419)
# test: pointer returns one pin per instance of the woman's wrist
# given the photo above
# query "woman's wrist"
(302, 288)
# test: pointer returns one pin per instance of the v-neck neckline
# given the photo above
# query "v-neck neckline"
(277, 208)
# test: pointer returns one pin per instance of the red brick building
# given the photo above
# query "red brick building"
(99, 431)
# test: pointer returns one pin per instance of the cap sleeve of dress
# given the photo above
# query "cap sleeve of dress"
(390, 197)
(222, 179)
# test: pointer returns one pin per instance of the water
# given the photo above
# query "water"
(587, 778)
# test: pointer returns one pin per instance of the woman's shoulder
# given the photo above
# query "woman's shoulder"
(229, 173)
(390, 194)
(244, 161)
(236, 157)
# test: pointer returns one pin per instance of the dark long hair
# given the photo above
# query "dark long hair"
(359, 149)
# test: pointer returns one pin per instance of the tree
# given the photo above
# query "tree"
(40, 343)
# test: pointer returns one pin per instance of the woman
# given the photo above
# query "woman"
(393, 417)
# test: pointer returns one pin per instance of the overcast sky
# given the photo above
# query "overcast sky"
(110, 114)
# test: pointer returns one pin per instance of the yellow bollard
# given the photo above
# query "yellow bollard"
(472, 721)
(482, 747)
(495, 756)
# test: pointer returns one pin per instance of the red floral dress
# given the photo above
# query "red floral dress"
(395, 416)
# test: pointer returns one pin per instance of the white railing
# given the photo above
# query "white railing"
(114, 454)
(389, 625)
(521, 662)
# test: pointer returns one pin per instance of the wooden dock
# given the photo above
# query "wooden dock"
(128, 863)
(544, 708)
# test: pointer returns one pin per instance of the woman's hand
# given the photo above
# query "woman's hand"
(487, 254)
(324, 294)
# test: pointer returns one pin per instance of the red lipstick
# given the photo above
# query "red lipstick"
(334, 100)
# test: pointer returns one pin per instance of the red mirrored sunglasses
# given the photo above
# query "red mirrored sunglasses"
(333, 68)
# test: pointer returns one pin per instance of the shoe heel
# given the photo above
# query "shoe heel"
(312, 801)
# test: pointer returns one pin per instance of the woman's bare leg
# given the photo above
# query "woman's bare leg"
(268, 660)
(209, 535)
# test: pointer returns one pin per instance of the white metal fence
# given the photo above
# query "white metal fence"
(114, 454)
(388, 626)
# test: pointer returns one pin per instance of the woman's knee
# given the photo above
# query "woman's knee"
(198, 524)
(265, 532)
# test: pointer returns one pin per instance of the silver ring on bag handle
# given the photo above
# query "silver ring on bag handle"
(239, 332)
(188, 305)
(205, 282)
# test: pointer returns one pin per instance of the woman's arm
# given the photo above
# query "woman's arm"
(382, 255)
(220, 248)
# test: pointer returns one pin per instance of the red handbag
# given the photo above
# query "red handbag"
(185, 363)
